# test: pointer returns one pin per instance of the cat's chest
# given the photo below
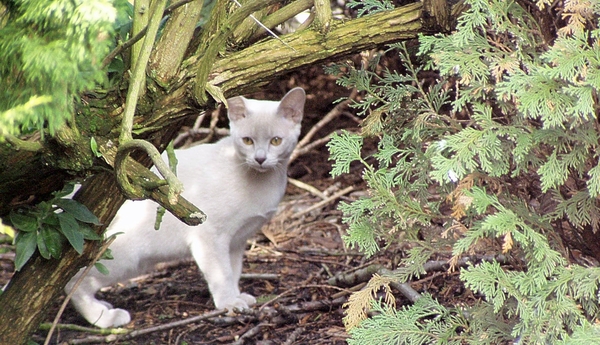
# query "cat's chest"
(259, 194)
(236, 197)
(230, 193)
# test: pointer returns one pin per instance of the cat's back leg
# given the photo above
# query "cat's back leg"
(97, 312)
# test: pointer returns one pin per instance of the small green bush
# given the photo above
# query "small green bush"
(52, 51)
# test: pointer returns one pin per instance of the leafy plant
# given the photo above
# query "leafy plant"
(501, 145)
(52, 50)
(49, 225)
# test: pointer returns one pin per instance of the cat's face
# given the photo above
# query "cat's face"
(266, 132)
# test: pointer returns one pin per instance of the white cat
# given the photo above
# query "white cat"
(238, 182)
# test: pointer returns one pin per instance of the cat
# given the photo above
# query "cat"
(238, 182)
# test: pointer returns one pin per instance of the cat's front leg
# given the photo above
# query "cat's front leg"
(236, 256)
(214, 260)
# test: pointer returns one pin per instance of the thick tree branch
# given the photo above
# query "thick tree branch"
(157, 191)
(218, 42)
(32, 146)
(285, 13)
(256, 65)
(139, 71)
(323, 15)
(141, 17)
(173, 43)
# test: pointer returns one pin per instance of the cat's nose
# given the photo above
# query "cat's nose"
(260, 156)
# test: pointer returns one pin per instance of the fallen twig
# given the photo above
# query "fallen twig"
(312, 190)
(360, 276)
(209, 132)
(292, 337)
(354, 277)
(348, 291)
(364, 274)
(324, 202)
(404, 288)
(335, 112)
(299, 151)
(260, 276)
(250, 333)
(137, 333)
(318, 252)
(287, 292)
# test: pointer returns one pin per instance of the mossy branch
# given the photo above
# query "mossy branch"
(127, 143)
(135, 192)
(323, 15)
(19, 144)
(152, 186)
(141, 18)
(244, 70)
(174, 41)
(139, 71)
(285, 13)
(218, 42)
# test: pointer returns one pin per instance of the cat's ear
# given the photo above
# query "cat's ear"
(292, 105)
(236, 108)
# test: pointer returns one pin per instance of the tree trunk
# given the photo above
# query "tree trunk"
(32, 290)
(26, 177)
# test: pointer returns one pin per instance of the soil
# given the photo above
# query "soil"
(288, 265)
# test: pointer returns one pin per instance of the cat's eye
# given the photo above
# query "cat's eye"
(247, 141)
(275, 141)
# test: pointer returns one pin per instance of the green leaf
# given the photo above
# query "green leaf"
(52, 241)
(553, 173)
(41, 246)
(23, 222)
(67, 189)
(25, 247)
(77, 210)
(89, 233)
(107, 255)
(50, 220)
(101, 268)
(70, 228)
(94, 147)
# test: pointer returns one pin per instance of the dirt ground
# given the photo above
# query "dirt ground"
(287, 266)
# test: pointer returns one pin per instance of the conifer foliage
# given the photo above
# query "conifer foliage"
(501, 147)
(52, 50)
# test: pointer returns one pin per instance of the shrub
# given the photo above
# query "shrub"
(502, 145)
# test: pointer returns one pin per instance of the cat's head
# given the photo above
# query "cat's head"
(266, 132)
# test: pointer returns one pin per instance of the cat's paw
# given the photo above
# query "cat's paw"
(112, 318)
(250, 300)
(241, 302)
